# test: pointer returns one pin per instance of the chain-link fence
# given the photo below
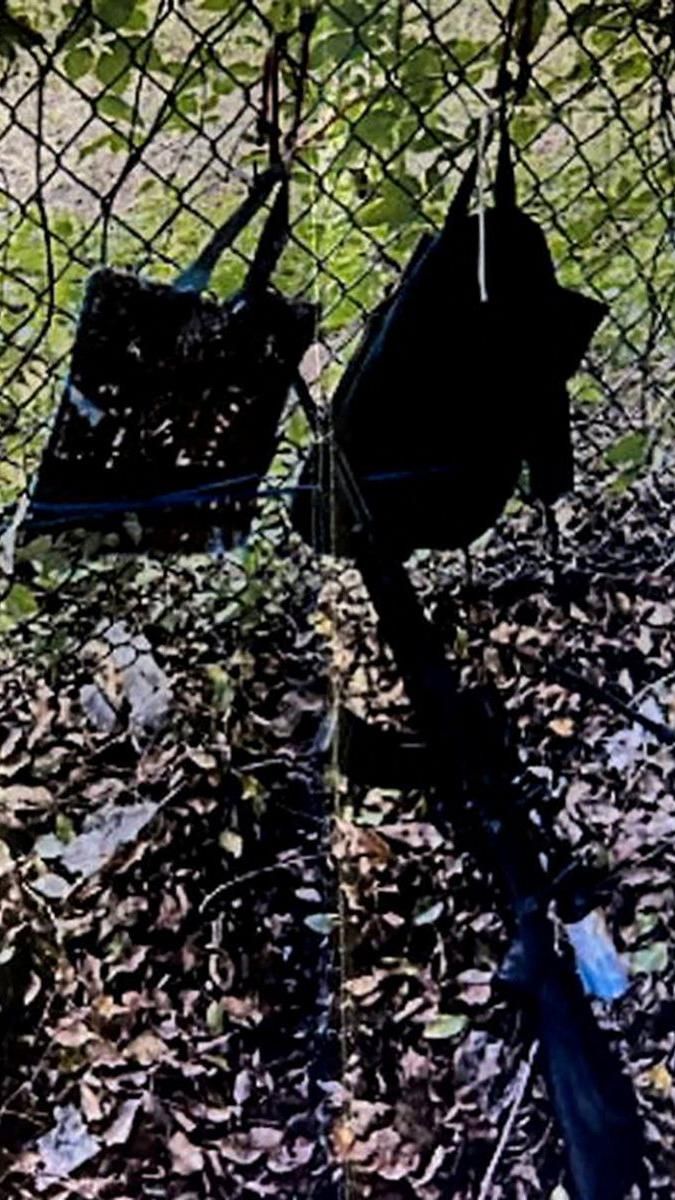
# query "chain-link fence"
(225, 971)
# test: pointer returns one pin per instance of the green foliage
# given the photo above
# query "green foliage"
(115, 107)
(117, 14)
(397, 203)
(531, 18)
(20, 603)
(392, 124)
(78, 61)
(649, 959)
(445, 1025)
(114, 64)
(629, 450)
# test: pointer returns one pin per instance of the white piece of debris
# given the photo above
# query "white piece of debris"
(9, 535)
(98, 708)
(66, 1146)
(128, 670)
(144, 684)
(52, 886)
(103, 832)
(85, 407)
(627, 746)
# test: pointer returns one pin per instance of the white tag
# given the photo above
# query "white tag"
(86, 409)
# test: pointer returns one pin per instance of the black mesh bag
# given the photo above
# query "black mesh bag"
(169, 417)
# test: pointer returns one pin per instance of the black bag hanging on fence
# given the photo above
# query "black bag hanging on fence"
(457, 382)
(169, 417)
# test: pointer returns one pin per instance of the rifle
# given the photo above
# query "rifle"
(474, 763)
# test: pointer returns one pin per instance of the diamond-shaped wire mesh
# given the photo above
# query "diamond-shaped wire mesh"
(127, 134)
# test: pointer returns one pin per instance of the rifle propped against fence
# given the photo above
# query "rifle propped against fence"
(474, 764)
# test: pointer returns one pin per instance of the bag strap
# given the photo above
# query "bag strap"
(271, 244)
(196, 277)
(505, 183)
(505, 188)
(459, 205)
(275, 234)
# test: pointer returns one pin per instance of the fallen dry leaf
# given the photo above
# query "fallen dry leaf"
(146, 1049)
(186, 1158)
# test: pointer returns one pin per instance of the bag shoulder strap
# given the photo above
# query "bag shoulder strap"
(505, 183)
(271, 244)
(459, 205)
(276, 230)
(196, 277)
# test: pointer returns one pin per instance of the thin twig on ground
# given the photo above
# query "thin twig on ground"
(522, 1080)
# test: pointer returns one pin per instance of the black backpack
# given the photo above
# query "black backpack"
(449, 394)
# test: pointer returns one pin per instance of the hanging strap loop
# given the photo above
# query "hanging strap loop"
(272, 242)
(275, 233)
(268, 120)
(505, 182)
(196, 277)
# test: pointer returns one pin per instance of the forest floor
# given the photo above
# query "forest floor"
(227, 971)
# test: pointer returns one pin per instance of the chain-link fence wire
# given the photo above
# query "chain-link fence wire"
(128, 132)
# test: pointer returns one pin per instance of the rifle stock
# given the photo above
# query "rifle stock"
(474, 764)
